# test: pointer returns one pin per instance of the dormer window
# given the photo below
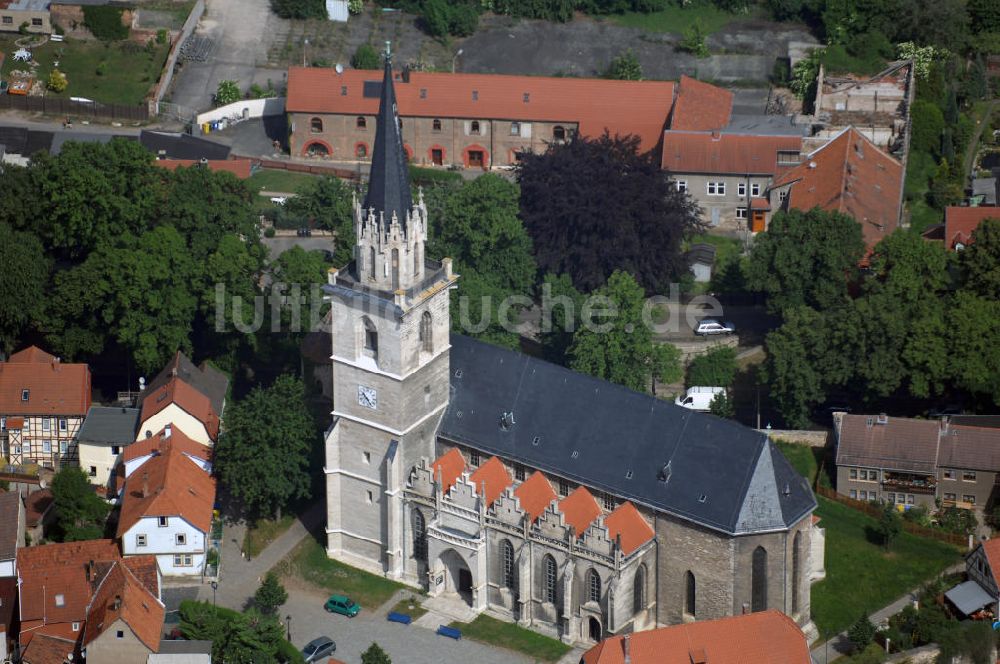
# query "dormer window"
(343, 91)
(25, 394)
(527, 97)
(60, 600)
(475, 95)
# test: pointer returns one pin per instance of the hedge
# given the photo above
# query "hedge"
(105, 22)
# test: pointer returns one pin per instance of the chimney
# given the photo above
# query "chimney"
(173, 371)
(625, 649)
(145, 484)
(406, 74)
(167, 430)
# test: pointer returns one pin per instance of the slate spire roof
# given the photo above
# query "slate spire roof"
(389, 183)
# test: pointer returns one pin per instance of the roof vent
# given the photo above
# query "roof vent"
(575, 454)
(423, 93)
(869, 421)
(812, 164)
(527, 97)
(882, 418)
(475, 95)
(458, 373)
(702, 498)
(628, 474)
(787, 491)
(535, 441)
(458, 415)
(665, 472)
(25, 394)
(507, 420)
(343, 91)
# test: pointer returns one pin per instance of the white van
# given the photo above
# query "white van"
(699, 398)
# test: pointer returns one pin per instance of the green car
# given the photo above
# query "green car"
(342, 605)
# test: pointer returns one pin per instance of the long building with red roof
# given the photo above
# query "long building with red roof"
(43, 402)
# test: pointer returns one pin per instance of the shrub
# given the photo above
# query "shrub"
(269, 231)
(862, 632)
(625, 67)
(693, 41)
(366, 57)
(436, 17)
(102, 68)
(299, 8)
(105, 22)
(57, 81)
(463, 20)
(161, 36)
(228, 92)
(928, 123)
(355, 6)
(716, 368)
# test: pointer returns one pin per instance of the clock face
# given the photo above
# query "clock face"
(367, 397)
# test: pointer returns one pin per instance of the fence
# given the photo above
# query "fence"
(74, 109)
(875, 510)
(313, 169)
(168, 69)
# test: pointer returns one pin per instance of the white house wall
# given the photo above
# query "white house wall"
(173, 414)
(161, 542)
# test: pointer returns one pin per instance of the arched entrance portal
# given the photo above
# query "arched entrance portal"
(594, 626)
(458, 576)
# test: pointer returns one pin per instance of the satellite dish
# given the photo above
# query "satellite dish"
(340, 68)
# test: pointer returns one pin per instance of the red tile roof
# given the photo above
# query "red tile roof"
(159, 442)
(701, 106)
(991, 548)
(627, 523)
(535, 494)
(961, 222)
(36, 506)
(580, 510)
(46, 649)
(702, 152)
(187, 398)
(850, 175)
(169, 484)
(238, 167)
(766, 637)
(54, 387)
(15, 423)
(448, 468)
(50, 570)
(623, 107)
(491, 479)
(122, 596)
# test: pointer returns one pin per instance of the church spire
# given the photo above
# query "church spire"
(389, 182)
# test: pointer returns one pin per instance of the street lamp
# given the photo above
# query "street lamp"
(305, 46)
(457, 53)
(215, 586)
(288, 627)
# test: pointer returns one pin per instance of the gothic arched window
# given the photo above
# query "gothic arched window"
(419, 536)
(758, 580)
(507, 560)
(371, 263)
(593, 586)
(639, 589)
(371, 336)
(690, 594)
(549, 580)
(426, 332)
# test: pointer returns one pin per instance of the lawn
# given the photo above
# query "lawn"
(276, 179)
(508, 635)
(677, 19)
(117, 73)
(860, 575)
(403, 606)
(803, 458)
(263, 533)
(309, 562)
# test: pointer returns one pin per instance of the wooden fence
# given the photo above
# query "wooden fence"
(74, 110)
(314, 169)
(875, 510)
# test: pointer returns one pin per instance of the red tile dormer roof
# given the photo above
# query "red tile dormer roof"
(53, 387)
(491, 479)
(960, 223)
(701, 106)
(626, 522)
(991, 548)
(51, 570)
(160, 442)
(535, 494)
(726, 154)
(448, 468)
(171, 485)
(187, 398)
(121, 595)
(580, 510)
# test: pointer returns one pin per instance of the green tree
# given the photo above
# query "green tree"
(980, 260)
(946, 189)
(958, 520)
(328, 201)
(593, 206)
(716, 368)
(975, 343)
(307, 270)
(861, 633)
(436, 17)
(805, 258)
(80, 513)
(985, 15)
(263, 455)
(366, 57)
(616, 345)
(26, 271)
(890, 524)
(722, 406)
(791, 370)
(561, 306)
(375, 655)
(57, 81)
(928, 123)
(478, 309)
(228, 92)
(693, 40)
(480, 230)
(270, 595)
(625, 67)
(299, 8)
(242, 638)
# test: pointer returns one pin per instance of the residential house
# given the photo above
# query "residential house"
(183, 651)
(768, 637)
(166, 511)
(103, 436)
(472, 120)
(25, 15)
(11, 532)
(981, 590)
(143, 450)
(960, 224)
(62, 606)
(43, 402)
(124, 620)
(848, 175)
(191, 397)
(916, 462)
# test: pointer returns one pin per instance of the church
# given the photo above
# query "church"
(573, 506)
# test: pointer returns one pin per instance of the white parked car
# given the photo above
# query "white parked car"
(713, 326)
(699, 398)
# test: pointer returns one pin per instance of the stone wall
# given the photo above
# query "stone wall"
(799, 436)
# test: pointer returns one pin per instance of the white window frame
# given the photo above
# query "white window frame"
(515, 128)
(63, 446)
(714, 188)
(741, 189)
(46, 423)
(755, 189)
(782, 195)
(63, 425)
(741, 212)
(681, 185)
(46, 447)
(162, 521)
(140, 540)
(180, 539)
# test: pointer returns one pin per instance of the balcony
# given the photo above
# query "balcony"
(902, 483)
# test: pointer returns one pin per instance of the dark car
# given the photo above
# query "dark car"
(319, 648)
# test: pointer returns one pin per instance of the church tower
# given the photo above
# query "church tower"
(390, 341)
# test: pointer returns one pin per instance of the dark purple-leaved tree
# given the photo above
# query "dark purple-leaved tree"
(593, 206)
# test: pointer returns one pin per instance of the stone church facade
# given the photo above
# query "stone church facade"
(570, 505)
